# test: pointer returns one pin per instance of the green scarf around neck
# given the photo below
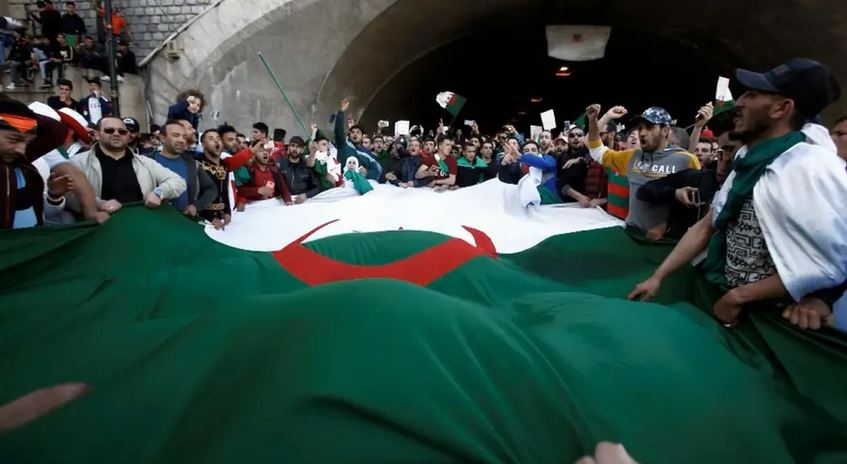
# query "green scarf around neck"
(747, 170)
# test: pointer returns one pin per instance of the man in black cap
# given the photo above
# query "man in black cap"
(776, 231)
(134, 132)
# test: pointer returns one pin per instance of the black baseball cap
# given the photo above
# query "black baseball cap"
(809, 83)
(132, 124)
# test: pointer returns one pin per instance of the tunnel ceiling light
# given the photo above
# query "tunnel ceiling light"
(564, 69)
(536, 99)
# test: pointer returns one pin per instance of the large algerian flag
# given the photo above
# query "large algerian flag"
(451, 102)
(395, 346)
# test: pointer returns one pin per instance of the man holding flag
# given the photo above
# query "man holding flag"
(776, 231)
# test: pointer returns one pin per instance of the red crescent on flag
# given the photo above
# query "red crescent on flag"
(421, 268)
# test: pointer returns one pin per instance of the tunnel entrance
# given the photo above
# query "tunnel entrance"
(508, 76)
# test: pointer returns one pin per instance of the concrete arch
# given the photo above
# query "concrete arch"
(326, 49)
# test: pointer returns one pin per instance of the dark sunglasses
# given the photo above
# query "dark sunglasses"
(575, 135)
(112, 130)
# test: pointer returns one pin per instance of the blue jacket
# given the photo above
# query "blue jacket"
(346, 149)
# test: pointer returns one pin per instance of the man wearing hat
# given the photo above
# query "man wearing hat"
(776, 231)
(26, 136)
(657, 158)
(55, 166)
(134, 133)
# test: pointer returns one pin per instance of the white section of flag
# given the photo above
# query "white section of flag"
(492, 207)
(443, 98)
(548, 120)
(723, 94)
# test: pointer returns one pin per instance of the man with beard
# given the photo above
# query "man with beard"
(118, 176)
(416, 160)
(776, 231)
(401, 168)
(218, 169)
(656, 159)
(26, 136)
(229, 137)
(134, 133)
(545, 143)
(300, 177)
(352, 145)
(265, 181)
(175, 156)
(689, 193)
(573, 165)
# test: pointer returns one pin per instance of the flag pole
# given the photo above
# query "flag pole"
(284, 94)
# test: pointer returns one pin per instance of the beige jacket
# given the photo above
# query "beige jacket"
(150, 175)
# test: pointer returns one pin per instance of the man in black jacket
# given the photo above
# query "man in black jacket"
(50, 20)
(400, 168)
(690, 192)
(72, 25)
(302, 179)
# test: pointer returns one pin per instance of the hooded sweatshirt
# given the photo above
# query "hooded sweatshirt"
(641, 167)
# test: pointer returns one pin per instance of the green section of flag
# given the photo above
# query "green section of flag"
(722, 107)
(582, 121)
(197, 352)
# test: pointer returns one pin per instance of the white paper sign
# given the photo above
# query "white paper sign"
(401, 128)
(548, 120)
(723, 94)
(535, 132)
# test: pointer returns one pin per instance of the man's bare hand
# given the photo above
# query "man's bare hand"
(616, 112)
(111, 206)
(152, 200)
(593, 111)
(190, 211)
(810, 314)
(300, 199)
(345, 105)
(705, 115)
(57, 186)
(266, 192)
(647, 290)
(685, 195)
(657, 233)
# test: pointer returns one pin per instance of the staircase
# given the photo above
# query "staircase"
(132, 91)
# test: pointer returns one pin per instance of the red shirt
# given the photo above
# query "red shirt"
(450, 161)
(261, 178)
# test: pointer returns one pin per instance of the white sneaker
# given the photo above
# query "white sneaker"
(10, 86)
(120, 78)
(105, 78)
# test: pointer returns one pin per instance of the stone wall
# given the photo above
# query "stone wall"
(150, 21)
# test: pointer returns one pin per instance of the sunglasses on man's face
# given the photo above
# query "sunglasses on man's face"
(574, 135)
(112, 130)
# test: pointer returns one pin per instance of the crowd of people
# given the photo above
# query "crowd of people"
(752, 192)
(58, 40)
